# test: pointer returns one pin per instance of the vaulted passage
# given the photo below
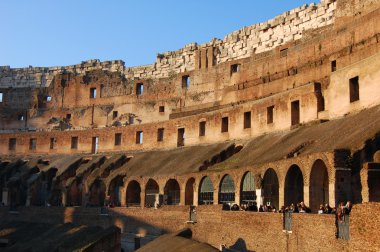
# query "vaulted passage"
(115, 188)
(189, 192)
(319, 185)
(293, 186)
(151, 190)
(270, 186)
(248, 190)
(74, 194)
(97, 193)
(172, 192)
(206, 192)
(133, 193)
(227, 190)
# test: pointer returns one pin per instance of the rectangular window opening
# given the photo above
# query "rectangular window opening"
(284, 52)
(139, 88)
(333, 66)
(270, 114)
(1, 97)
(247, 120)
(160, 135)
(48, 98)
(115, 114)
(32, 144)
(295, 112)
(53, 143)
(181, 137)
(68, 116)
(20, 117)
(131, 119)
(186, 81)
(235, 68)
(354, 89)
(139, 137)
(92, 93)
(224, 124)
(161, 109)
(202, 128)
(117, 139)
(74, 143)
(12, 144)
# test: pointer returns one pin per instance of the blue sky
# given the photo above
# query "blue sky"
(66, 32)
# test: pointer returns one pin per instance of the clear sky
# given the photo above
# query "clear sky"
(66, 32)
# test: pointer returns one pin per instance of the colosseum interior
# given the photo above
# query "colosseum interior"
(280, 112)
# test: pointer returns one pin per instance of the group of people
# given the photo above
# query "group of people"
(340, 211)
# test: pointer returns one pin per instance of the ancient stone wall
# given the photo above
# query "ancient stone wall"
(289, 26)
(258, 231)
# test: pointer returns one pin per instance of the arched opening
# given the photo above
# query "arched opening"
(189, 192)
(271, 187)
(227, 190)
(247, 189)
(319, 185)
(74, 193)
(293, 186)
(97, 193)
(172, 192)
(133, 193)
(114, 190)
(206, 192)
(151, 190)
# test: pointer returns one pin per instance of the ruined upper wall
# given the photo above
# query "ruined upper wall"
(253, 39)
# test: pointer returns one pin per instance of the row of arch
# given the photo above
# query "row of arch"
(226, 190)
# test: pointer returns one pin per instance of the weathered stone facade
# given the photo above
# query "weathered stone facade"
(280, 112)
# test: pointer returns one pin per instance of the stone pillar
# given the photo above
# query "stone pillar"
(5, 196)
(195, 196)
(364, 182)
(123, 196)
(259, 197)
(306, 195)
(237, 196)
(182, 197)
(64, 197)
(216, 197)
(332, 194)
(142, 197)
(281, 197)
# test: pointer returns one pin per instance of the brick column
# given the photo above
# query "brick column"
(142, 197)
(306, 195)
(364, 182)
(123, 196)
(216, 197)
(281, 196)
(182, 197)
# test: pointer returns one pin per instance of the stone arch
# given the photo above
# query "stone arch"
(189, 192)
(376, 157)
(247, 188)
(294, 183)
(270, 186)
(319, 185)
(114, 190)
(133, 194)
(151, 190)
(206, 191)
(226, 190)
(97, 193)
(74, 193)
(172, 192)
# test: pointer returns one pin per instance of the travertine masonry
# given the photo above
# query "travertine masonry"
(242, 43)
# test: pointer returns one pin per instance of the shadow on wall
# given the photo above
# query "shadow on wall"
(239, 245)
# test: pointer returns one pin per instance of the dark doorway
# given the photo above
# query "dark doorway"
(271, 187)
(189, 192)
(227, 190)
(206, 192)
(181, 137)
(151, 190)
(133, 194)
(293, 186)
(295, 107)
(172, 192)
(319, 185)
